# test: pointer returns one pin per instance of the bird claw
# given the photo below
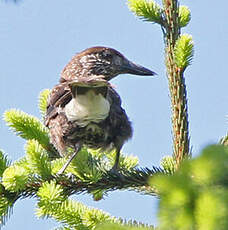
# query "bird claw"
(115, 171)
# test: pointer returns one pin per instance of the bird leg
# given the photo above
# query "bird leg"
(116, 164)
(77, 148)
(115, 168)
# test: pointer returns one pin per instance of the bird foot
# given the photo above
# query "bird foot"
(114, 170)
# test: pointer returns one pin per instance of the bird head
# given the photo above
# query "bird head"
(101, 61)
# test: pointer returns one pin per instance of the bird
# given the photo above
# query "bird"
(84, 109)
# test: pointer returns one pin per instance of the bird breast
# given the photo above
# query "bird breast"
(86, 108)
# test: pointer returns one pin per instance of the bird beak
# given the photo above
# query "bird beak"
(132, 68)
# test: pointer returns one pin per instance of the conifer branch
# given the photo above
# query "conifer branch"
(38, 159)
(7, 200)
(175, 73)
(147, 10)
(43, 98)
(197, 191)
(179, 54)
(19, 182)
(184, 16)
(134, 180)
(54, 203)
(4, 162)
(29, 127)
(88, 173)
(73, 214)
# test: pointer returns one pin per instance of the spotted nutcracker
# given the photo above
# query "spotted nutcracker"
(84, 108)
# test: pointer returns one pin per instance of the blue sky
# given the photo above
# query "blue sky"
(37, 39)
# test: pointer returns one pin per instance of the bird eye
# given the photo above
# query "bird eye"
(107, 55)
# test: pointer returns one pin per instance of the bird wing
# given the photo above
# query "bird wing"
(118, 120)
(60, 95)
(55, 118)
(113, 97)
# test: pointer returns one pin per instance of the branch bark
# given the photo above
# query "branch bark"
(177, 87)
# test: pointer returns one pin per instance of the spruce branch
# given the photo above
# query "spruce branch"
(15, 178)
(28, 127)
(4, 162)
(43, 98)
(179, 53)
(38, 159)
(134, 180)
(183, 51)
(28, 177)
(7, 200)
(147, 10)
(6, 205)
(74, 215)
(168, 163)
(184, 16)
(196, 194)
(17, 184)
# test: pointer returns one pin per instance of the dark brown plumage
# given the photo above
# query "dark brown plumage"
(84, 109)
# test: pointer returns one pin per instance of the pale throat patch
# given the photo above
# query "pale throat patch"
(87, 108)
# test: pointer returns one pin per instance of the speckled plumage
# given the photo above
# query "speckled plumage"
(92, 61)
(109, 133)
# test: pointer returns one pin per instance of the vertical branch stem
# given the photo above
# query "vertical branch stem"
(177, 85)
